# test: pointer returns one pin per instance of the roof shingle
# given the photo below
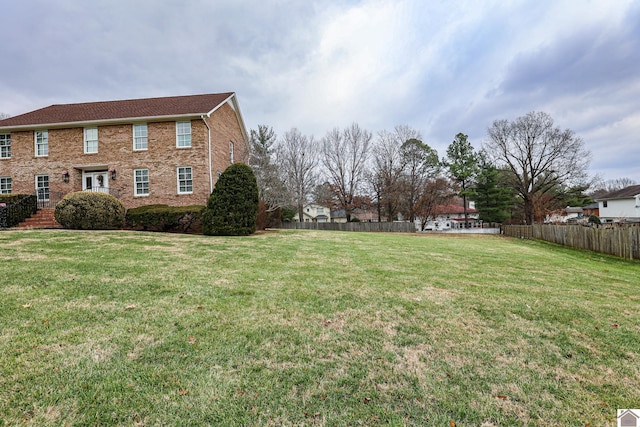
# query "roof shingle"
(114, 110)
(625, 193)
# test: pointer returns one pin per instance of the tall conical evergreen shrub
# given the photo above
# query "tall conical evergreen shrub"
(233, 205)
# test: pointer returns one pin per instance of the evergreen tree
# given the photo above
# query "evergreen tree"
(462, 162)
(494, 198)
(233, 205)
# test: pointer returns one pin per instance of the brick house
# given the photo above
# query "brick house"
(143, 151)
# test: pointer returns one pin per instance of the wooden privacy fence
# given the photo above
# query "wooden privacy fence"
(397, 227)
(620, 241)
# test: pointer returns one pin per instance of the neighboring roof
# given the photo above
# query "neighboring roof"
(626, 193)
(452, 209)
(573, 209)
(591, 206)
(173, 106)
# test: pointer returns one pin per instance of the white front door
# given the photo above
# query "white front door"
(95, 181)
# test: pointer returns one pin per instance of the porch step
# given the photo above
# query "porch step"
(42, 219)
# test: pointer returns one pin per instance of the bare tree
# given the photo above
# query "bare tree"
(386, 174)
(271, 188)
(419, 163)
(601, 188)
(344, 155)
(298, 158)
(538, 155)
(4, 116)
(437, 191)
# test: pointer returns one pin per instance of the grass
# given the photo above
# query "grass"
(313, 328)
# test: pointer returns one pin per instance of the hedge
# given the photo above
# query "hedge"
(182, 219)
(15, 208)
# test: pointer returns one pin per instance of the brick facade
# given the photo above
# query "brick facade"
(116, 152)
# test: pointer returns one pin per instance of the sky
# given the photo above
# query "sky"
(439, 66)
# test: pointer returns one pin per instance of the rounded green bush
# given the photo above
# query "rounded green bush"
(85, 210)
(232, 209)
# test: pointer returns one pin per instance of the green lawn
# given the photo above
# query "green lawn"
(313, 328)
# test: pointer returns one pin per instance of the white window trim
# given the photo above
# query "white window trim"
(86, 140)
(6, 178)
(133, 131)
(48, 187)
(179, 134)
(135, 184)
(7, 137)
(178, 179)
(35, 142)
(231, 152)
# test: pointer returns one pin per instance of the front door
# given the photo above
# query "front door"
(95, 181)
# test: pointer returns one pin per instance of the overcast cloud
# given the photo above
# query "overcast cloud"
(442, 67)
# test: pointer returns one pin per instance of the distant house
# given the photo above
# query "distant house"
(315, 213)
(451, 217)
(621, 205)
(592, 209)
(362, 215)
(167, 150)
(570, 214)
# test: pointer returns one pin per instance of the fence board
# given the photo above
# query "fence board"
(620, 241)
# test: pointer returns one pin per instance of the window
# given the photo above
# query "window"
(141, 182)
(185, 180)
(90, 140)
(140, 141)
(183, 134)
(5, 146)
(42, 187)
(42, 142)
(231, 151)
(5, 185)
(604, 204)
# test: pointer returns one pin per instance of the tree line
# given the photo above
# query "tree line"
(526, 168)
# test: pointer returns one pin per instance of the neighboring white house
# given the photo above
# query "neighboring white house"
(451, 217)
(315, 213)
(621, 205)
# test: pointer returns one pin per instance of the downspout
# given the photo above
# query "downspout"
(209, 153)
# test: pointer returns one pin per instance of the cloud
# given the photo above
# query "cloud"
(440, 67)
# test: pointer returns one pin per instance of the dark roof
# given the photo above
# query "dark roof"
(114, 110)
(626, 193)
(452, 209)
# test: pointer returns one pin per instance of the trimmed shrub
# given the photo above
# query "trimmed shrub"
(233, 205)
(85, 210)
(15, 208)
(593, 219)
(182, 219)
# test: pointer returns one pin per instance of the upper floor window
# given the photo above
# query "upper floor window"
(231, 156)
(183, 134)
(141, 177)
(5, 185)
(185, 180)
(91, 140)
(5, 145)
(140, 139)
(604, 203)
(42, 142)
